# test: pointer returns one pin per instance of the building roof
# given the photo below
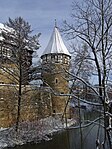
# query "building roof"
(4, 28)
(56, 44)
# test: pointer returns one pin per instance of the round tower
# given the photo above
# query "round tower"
(55, 63)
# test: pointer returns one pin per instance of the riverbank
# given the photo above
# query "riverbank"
(32, 131)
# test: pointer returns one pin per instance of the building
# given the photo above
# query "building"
(14, 76)
(9, 57)
(55, 64)
(48, 99)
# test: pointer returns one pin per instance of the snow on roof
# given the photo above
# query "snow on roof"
(56, 44)
(4, 28)
(1, 25)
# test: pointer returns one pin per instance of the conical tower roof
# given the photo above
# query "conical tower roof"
(56, 44)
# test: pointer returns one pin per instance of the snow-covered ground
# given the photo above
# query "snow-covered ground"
(32, 131)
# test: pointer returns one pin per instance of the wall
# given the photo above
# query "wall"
(33, 104)
(54, 75)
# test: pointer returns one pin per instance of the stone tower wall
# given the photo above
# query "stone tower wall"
(55, 76)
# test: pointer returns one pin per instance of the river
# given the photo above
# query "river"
(69, 139)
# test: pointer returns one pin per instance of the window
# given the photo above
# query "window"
(60, 58)
(56, 81)
(66, 60)
(56, 58)
(54, 111)
(53, 57)
(1, 82)
(48, 57)
(44, 59)
(62, 92)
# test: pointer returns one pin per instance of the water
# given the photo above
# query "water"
(89, 138)
(59, 141)
(70, 139)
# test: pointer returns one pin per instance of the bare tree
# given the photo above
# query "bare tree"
(80, 65)
(92, 24)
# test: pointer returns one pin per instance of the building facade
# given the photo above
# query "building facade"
(55, 67)
(38, 102)
(12, 56)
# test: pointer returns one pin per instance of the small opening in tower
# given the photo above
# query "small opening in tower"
(62, 92)
(56, 80)
(54, 111)
(52, 56)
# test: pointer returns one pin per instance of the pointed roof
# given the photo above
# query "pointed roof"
(56, 44)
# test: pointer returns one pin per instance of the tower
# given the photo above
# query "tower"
(55, 62)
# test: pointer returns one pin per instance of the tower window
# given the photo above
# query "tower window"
(56, 58)
(60, 58)
(66, 61)
(56, 81)
(62, 92)
(48, 57)
(52, 56)
(54, 111)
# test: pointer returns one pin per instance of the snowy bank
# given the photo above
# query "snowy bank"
(32, 131)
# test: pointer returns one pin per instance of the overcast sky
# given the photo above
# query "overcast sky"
(39, 13)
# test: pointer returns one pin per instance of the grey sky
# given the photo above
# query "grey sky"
(39, 13)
